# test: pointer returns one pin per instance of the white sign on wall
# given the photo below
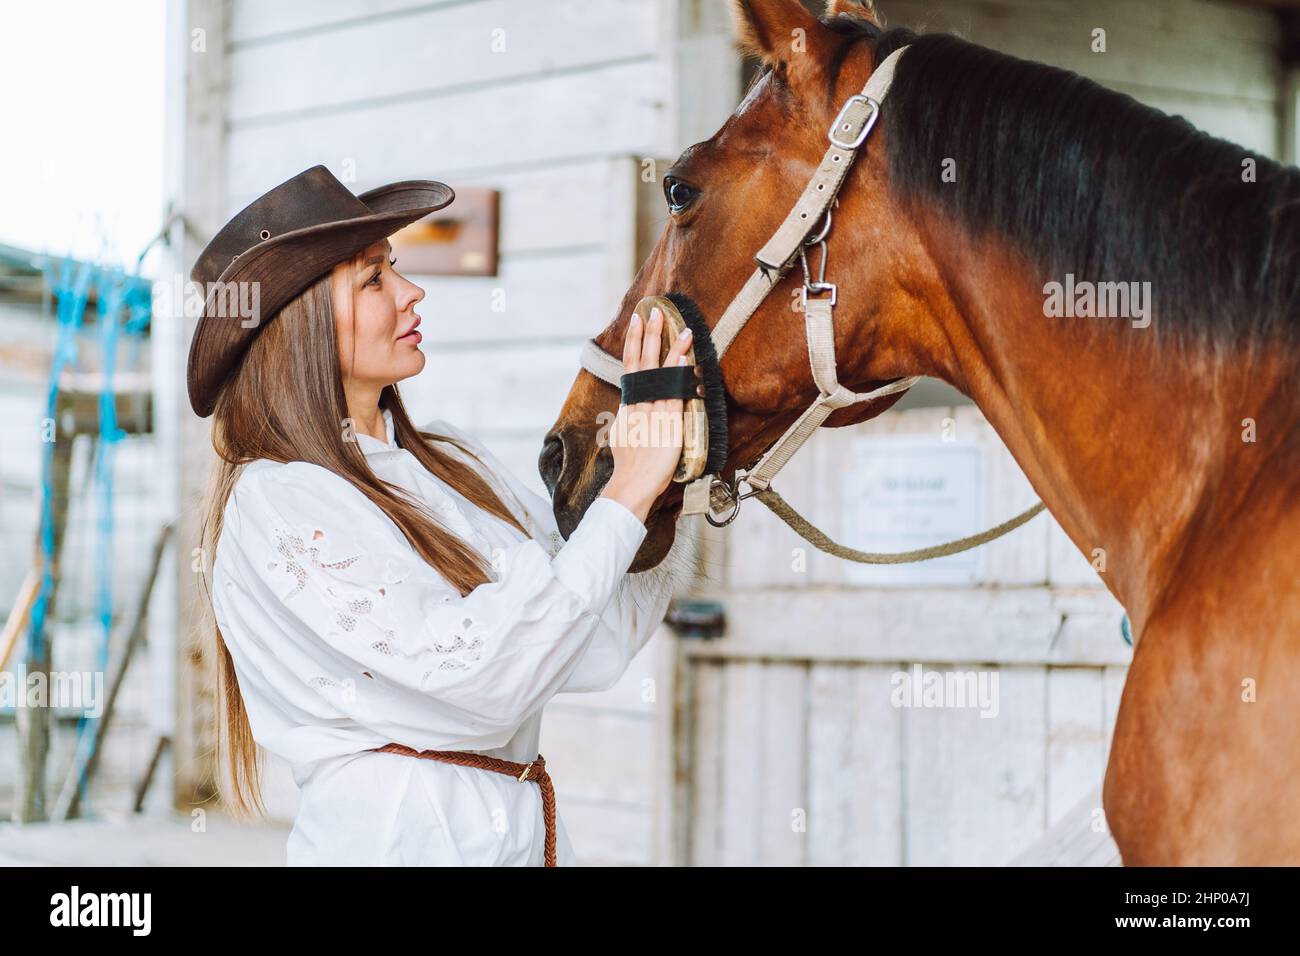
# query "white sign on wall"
(904, 492)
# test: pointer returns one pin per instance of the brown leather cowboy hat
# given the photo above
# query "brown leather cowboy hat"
(278, 245)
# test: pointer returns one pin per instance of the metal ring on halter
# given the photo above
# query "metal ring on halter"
(826, 227)
(708, 516)
(731, 493)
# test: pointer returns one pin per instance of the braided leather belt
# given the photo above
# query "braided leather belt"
(534, 771)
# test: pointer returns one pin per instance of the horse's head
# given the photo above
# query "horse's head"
(725, 198)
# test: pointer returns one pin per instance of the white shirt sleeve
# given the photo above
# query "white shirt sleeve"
(347, 607)
(639, 602)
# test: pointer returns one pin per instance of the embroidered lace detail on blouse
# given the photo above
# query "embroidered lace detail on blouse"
(462, 646)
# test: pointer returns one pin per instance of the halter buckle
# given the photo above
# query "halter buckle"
(817, 287)
(842, 120)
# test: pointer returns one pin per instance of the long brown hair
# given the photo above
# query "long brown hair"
(286, 402)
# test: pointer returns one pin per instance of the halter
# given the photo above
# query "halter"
(806, 225)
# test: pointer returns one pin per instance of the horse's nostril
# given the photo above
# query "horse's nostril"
(550, 463)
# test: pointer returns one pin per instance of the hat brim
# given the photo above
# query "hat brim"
(282, 266)
(408, 194)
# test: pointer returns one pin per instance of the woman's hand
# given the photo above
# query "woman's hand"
(646, 438)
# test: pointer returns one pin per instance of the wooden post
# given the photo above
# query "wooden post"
(34, 722)
(201, 32)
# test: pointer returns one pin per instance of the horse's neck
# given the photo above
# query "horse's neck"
(1139, 451)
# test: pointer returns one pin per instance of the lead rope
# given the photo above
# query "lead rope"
(814, 536)
(534, 771)
(821, 350)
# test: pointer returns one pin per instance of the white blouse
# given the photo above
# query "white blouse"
(343, 639)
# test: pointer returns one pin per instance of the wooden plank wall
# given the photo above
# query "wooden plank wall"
(790, 721)
(1214, 62)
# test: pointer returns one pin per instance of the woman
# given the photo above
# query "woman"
(375, 585)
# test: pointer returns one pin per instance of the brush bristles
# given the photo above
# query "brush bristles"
(715, 393)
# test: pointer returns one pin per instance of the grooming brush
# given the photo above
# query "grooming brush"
(704, 432)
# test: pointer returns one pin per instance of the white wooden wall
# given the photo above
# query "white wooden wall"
(1214, 62)
(789, 716)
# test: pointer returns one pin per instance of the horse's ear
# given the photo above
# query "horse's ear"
(773, 30)
(858, 9)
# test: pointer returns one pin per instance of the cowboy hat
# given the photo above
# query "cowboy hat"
(278, 245)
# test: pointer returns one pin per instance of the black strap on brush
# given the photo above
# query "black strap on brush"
(652, 384)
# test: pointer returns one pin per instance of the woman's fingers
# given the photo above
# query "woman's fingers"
(679, 348)
(641, 346)
(632, 345)
(651, 340)
(643, 341)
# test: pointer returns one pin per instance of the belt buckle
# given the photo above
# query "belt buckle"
(868, 122)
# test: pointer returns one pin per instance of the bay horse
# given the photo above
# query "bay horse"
(1172, 444)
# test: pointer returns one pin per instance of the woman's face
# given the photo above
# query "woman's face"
(375, 319)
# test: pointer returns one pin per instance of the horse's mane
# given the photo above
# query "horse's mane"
(1088, 181)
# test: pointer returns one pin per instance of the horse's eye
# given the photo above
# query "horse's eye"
(678, 194)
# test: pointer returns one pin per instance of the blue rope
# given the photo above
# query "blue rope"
(72, 294)
(112, 287)
(131, 297)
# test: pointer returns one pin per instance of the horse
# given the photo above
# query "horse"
(1167, 440)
